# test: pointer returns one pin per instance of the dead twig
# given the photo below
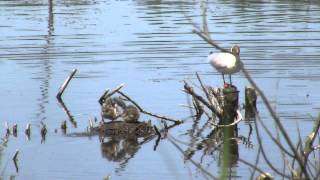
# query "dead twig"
(188, 89)
(176, 121)
(204, 88)
(102, 97)
(65, 84)
(191, 160)
(107, 93)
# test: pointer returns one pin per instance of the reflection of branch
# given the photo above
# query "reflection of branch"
(15, 160)
(270, 135)
(251, 165)
(191, 160)
(149, 113)
(256, 163)
(264, 154)
(66, 110)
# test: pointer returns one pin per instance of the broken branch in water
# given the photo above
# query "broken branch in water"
(65, 84)
(101, 99)
(188, 89)
(106, 94)
(203, 88)
(176, 121)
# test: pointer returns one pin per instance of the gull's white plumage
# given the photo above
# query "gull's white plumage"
(226, 63)
(223, 62)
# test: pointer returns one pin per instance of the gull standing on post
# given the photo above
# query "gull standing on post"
(226, 63)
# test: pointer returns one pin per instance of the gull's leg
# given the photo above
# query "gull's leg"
(230, 79)
(224, 82)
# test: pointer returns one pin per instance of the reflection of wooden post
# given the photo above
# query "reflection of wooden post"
(251, 103)
(229, 115)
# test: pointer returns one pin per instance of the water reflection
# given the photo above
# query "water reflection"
(120, 150)
(46, 65)
(141, 43)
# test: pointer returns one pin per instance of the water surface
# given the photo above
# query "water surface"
(149, 46)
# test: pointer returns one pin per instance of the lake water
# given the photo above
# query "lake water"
(149, 46)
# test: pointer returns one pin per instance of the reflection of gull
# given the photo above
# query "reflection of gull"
(226, 63)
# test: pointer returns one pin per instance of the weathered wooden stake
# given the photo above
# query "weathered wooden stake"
(229, 115)
(251, 103)
(230, 105)
(65, 84)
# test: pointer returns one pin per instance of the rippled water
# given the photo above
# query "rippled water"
(148, 45)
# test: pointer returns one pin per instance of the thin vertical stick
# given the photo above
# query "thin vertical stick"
(65, 84)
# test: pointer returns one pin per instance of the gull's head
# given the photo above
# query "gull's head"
(235, 49)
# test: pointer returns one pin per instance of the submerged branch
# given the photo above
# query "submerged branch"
(192, 161)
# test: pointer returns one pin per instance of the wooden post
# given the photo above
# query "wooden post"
(229, 115)
(251, 103)
(230, 105)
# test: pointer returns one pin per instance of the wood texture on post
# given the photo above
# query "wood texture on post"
(229, 115)
(250, 103)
